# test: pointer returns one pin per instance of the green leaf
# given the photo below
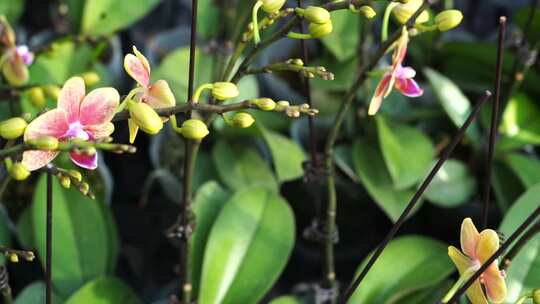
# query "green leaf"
(430, 295)
(408, 264)
(240, 166)
(452, 186)
(34, 293)
(12, 9)
(373, 174)
(519, 121)
(525, 167)
(104, 290)
(506, 185)
(400, 144)
(247, 248)
(103, 17)
(343, 40)
(287, 155)
(5, 235)
(80, 236)
(286, 300)
(209, 19)
(523, 273)
(25, 229)
(209, 201)
(454, 102)
(522, 18)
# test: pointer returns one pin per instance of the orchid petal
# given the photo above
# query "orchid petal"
(137, 67)
(52, 123)
(378, 96)
(99, 106)
(85, 161)
(461, 261)
(100, 131)
(409, 87)
(36, 159)
(476, 294)
(495, 284)
(71, 95)
(159, 95)
(469, 238)
(133, 129)
(488, 243)
(401, 49)
(405, 72)
(142, 58)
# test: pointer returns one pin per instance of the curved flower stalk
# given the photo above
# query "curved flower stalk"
(477, 249)
(16, 59)
(76, 117)
(399, 77)
(157, 95)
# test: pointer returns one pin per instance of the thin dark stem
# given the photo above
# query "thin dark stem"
(529, 221)
(494, 120)
(412, 203)
(509, 257)
(48, 258)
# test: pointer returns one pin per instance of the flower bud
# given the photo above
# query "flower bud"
(448, 19)
(224, 90)
(7, 35)
(52, 91)
(13, 257)
(320, 30)
(272, 6)
(65, 181)
(367, 11)
(403, 12)
(145, 117)
(12, 128)
(298, 62)
(90, 78)
(315, 14)
(19, 172)
(242, 120)
(536, 296)
(194, 129)
(46, 143)
(84, 188)
(15, 71)
(265, 104)
(76, 175)
(37, 97)
(282, 105)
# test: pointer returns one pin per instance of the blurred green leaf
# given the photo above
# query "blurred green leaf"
(104, 17)
(525, 167)
(430, 295)
(520, 121)
(208, 202)
(521, 19)
(12, 9)
(34, 293)
(240, 166)
(343, 73)
(524, 271)
(286, 300)
(80, 236)
(104, 290)
(400, 144)
(287, 155)
(344, 38)
(454, 102)
(372, 171)
(452, 186)
(247, 248)
(506, 185)
(5, 234)
(25, 229)
(408, 264)
(209, 19)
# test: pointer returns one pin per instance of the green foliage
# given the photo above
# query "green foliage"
(519, 122)
(34, 293)
(452, 186)
(104, 290)
(12, 9)
(342, 43)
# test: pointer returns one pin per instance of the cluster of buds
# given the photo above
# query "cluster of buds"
(311, 72)
(14, 255)
(265, 23)
(294, 111)
(320, 22)
(15, 59)
(444, 21)
(271, 7)
(69, 178)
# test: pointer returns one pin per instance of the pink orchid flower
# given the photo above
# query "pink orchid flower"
(77, 116)
(399, 77)
(157, 95)
(477, 249)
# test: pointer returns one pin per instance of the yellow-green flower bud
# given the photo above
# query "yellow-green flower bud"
(403, 12)
(37, 97)
(242, 120)
(265, 104)
(46, 143)
(13, 257)
(15, 72)
(145, 117)
(282, 105)
(76, 175)
(316, 14)
(52, 91)
(320, 30)
(298, 62)
(90, 78)
(224, 90)
(448, 19)
(84, 188)
(65, 181)
(367, 11)
(194, 129)
(19, 172)
(12, 128)
(272, 6)
(536, 296)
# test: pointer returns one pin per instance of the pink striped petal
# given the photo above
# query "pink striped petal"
(71, 96)
(100, 131)
(137, 67)
(34, 159)
(99, 106)
(377, 98)
(52, 123)
(85, 161)
(409, 87)
(159, 95)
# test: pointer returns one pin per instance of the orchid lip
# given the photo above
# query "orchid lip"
(25, 54)
(76, 130)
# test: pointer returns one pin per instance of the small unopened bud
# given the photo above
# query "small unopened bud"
(145, 117)
(298, 62)
(46, 143)
(30, 256)
(65, 181)
(448, 19)
(75, 175)
(367, 11)
(320, 30)
(272, 6)
(52, 91)
(15, 71)
(194, 129)
(242, 120)
(224, 90)
(316, 14)
(19, 172)
(90, 78)
(282, 105)
(536, 296)
(84, 188)
(403, 12)
(37, 97)
(13, 257)
(265, 104)
(12, 128)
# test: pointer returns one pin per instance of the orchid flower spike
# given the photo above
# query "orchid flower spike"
(157, 95)
(76, 117)
(477, 249)
(399, 77)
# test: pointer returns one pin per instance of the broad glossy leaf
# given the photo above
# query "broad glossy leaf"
(34, 293)
(372, 171)
(286, 300)
(408, 264)
(104, 290)
(522, 275)
(343, 40)
(208, 202)
(520, 121)
(240, 166)
(287, 155)
(248, 247)
(452, 186)
(80, 236)
(25, 229)
(12, 9)
(400, 144)
(527, 168)
(506, 185)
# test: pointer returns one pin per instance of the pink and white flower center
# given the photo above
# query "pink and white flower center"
(25, 54)
(76, 130)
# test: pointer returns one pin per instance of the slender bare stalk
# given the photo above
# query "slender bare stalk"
(48, 249)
